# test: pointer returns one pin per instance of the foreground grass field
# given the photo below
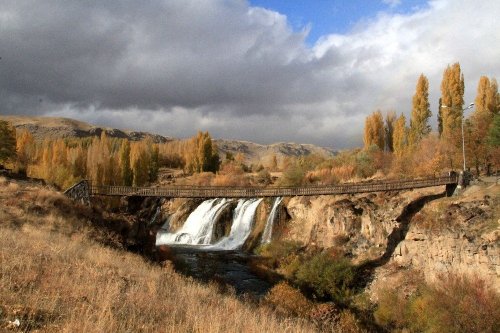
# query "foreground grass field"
(55, 277)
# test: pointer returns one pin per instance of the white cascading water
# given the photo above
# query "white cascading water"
(242, 225)
(268, 230)
(198, 228)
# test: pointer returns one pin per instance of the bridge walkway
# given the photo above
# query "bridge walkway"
(85, 189)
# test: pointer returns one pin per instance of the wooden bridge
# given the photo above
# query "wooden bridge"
(85, 189)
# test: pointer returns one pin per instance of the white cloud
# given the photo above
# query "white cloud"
(237, 71)
(392, 3)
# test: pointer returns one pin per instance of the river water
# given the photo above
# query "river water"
(227, 268)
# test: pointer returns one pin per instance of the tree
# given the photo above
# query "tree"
(154, 163)
(140, 160)
(480, 122)
(8, 140)
(440, 117)
(25, 150)
(390, 118)
(399, 136)
(202, 154)
(374, 130)
(125, 169)
(420, 114)
(487, 98)
(452, 99)
(494, 132)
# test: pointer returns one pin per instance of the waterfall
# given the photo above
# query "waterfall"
(198, 228)
(242, 225)
(268, 230)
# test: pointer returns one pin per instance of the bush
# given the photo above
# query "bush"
(328, 276)
(288, 300)
(263, 177)
(277, 251)
(454, 304)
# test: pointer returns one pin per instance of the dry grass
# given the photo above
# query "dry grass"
(54, 278)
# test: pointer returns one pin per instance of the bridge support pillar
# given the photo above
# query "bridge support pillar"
(450, 189)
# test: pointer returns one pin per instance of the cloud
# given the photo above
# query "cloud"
(177, 66)
(392, 3)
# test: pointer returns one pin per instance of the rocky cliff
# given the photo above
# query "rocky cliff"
(420, 230)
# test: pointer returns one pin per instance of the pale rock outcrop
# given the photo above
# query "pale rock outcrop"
(469, 244)
(359, 224)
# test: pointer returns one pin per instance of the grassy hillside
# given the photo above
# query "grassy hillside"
(55, 277)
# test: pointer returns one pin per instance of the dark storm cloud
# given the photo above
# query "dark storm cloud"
(175, 66)
(152, 54)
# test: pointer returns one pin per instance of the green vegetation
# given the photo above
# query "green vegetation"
(327, 276)
(494, 132)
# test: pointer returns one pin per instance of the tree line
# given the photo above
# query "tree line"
(103, 160)
(415, 144)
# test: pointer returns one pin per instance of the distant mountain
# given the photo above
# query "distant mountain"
(53, 128)
(256, 153)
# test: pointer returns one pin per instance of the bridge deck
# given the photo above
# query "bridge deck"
(259, 192)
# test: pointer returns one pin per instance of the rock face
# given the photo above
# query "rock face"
(418, 230)
(467, 243)
(358, 225)
(174, 212)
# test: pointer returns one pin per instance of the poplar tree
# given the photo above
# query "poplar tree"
(125, 169)
(8, 142)
(486, 107)
(140, 164)
(25, 146)
(154, 163)
(390, 118)
(399, 136)
(440, 117)
(202, 154)
(452, 99)
(487, 98)
(374, 130)
(420, 114)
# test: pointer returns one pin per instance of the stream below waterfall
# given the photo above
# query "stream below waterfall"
(194, 251)
(227, 268)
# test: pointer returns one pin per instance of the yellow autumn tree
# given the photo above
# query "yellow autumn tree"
(25, 147)
(477, 128)
(202, 154)
(399, 137)
(452, 101)
(374, 130)
(420, 114)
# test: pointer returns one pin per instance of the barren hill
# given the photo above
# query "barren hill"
(256, 153)
(54, 127)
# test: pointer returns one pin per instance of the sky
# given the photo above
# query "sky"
(263, 71)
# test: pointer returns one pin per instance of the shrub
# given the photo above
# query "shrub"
(288, 300)
(391, 309)
(454, 304)
(263, 177)
(278, 250)
(328, 276)
(459, 304)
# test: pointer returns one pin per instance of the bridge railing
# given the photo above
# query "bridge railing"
(180, 191)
